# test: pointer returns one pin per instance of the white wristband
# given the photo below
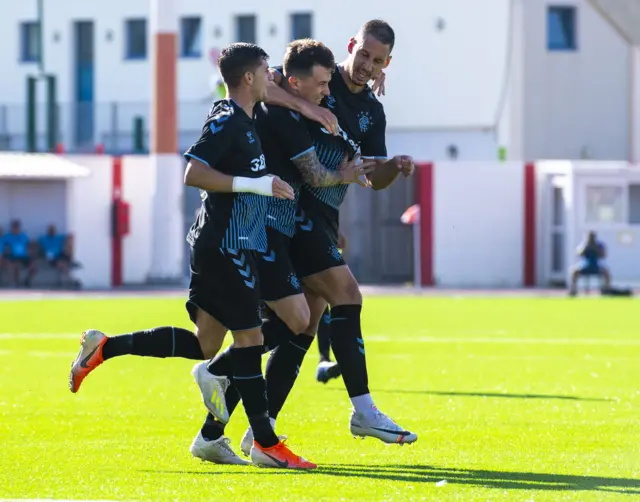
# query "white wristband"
(261, 186)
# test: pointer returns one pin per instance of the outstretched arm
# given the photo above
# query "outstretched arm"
(317, 175)
(387, 171)
(200, 175)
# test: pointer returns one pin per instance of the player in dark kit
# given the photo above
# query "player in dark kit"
(228, 164)
(314, 249)
(292, 152)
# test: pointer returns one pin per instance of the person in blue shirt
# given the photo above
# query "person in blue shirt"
(16, 253)
(592, 253)
(52, 245)
(54, 249)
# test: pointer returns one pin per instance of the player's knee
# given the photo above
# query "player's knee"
(209, 347)
(248, 338)
(210, 334)
(353, 294)
(298, 318)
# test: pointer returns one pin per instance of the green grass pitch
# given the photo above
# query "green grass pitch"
(519, 399)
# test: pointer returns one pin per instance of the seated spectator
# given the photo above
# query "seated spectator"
(593, 252)
(58, 252)
(16, 254)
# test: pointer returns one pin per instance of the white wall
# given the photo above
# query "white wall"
(575, 100)
(447, 78)
(437, 79)
(478, 224)
(36, 203)
(428, 146)
(138, 181)
(89, 219)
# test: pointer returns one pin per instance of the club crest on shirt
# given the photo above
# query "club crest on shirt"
(250, 137)
(331, 102)
(364, 121)
(294, 281)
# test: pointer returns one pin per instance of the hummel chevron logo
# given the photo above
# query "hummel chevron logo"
(246, 272)
(301, 217)
(84, 362)
(215, 129)
(280, 463)
(251, 284)
(271, 257)
(240, 262)
(307, 227)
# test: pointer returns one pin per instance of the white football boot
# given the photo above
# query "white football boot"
(212, 388)
(380, 426)
(218, 451)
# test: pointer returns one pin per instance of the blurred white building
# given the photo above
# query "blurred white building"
(469, 79)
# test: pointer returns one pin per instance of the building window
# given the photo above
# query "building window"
(136, 39)
(246, 29)
(605, 204)
(561, 28)
(300, 26)
(30, 42)
(191, 37)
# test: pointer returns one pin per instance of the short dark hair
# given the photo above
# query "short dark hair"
(302, 55)
(237, 59)
(381, 31)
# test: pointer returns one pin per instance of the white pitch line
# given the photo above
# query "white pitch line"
(39, 336)
(501, 340)
(380, 338)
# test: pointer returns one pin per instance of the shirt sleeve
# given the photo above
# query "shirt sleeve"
(292, 132)
(214, 143)
(374, 144)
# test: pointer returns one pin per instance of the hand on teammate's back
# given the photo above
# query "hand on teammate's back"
(282, 189)
(322, 115)
(353, 169)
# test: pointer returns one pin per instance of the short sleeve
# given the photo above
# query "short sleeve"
(214, 143)
(374, 144)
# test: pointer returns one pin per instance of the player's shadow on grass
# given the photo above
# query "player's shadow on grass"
(491, 479)
(503, 480)
(487, 394)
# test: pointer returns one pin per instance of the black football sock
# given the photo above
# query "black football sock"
(222, 365)
(324, 336)
(275, 332)
(212, 429)
(348, 348)
(247, 376)
(282, 370)
(166, 341)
